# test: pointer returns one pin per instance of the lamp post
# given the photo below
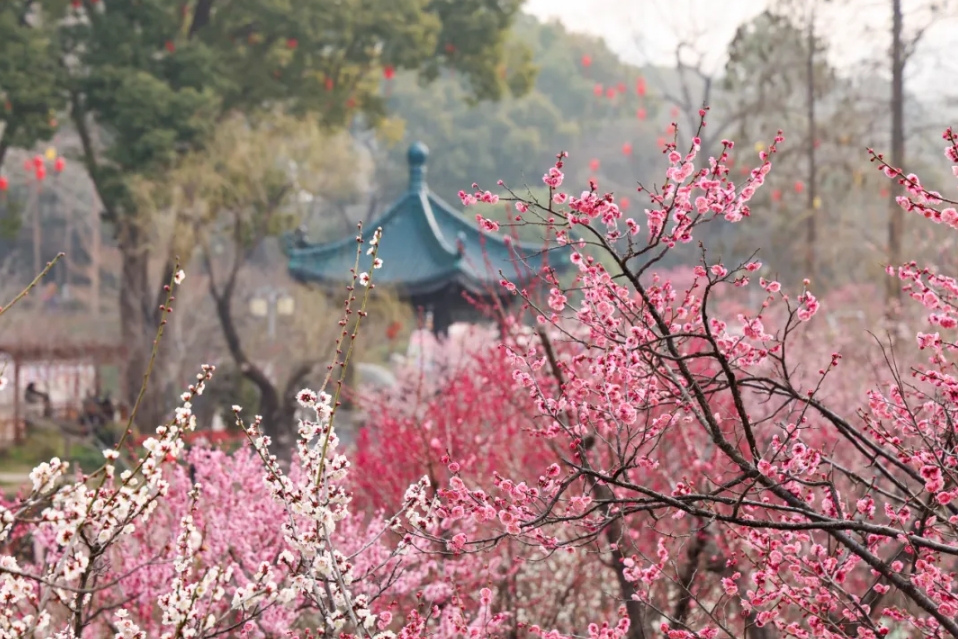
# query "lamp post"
(270, 302)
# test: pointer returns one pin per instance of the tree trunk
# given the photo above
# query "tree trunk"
(896, 216)
(4, 145)
(811, 230)
(139, 321)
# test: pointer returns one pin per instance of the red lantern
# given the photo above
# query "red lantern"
(170, 46)
(76, 3)
(818, 143)
(41, 173)
(59, 165)
(597, 90)
(670, 129)
(351, 103)
(27, 166)
(292, 43)
(4, 184)
(641, 114)
(450, 48)
(620, 87)
(777, 195)
(674, 112)
(799, 186)
(743, 170)
(586, 61)
(393, 330)
(37, 161)
(594, 165)
(389, 72)
(626, 149)
(624, 203)
(884, 192)
(640, 87)
(610, 93)
(329, 84)
(661, 143)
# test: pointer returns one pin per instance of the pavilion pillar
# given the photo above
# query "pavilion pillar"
(441, 318)
(18, 434)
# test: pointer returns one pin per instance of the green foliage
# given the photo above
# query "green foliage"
(516, 137)
(30, 78)
(159, 75)
(11, 216)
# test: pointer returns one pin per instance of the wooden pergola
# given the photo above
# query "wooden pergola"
(20, 353)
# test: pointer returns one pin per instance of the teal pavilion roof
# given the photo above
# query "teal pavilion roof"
(426, 246)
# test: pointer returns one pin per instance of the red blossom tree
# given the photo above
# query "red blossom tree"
(732, 495)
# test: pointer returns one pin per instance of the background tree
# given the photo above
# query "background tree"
(904, 43)
(30, 76)
(157, 76)
(239, 194)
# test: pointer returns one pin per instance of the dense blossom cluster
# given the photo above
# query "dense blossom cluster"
(649, 456)
(691, 433)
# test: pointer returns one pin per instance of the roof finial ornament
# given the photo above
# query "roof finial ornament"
(417, 155)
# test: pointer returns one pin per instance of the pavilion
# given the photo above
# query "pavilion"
(433, 254)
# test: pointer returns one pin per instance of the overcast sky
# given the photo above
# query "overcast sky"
(648, 30)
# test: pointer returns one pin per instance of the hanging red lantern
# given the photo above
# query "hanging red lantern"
(389, 72)
(661, 142)
(4, 184)
(329, 84)
(626, 149)
(743, 170)
(586, 61)
(640, 87)
(818, 143)
(610, 93)
(884, 192)
(641, 114)
(76, 4)
(597, 90)
(624, 203)
(392, 331)
(799, 186)
(620, 87)
(41, 173)
(674, 112)
(27, 166)
(351, 103)
(59, 165)
(292, 43)
(594, 165)
(450, 48)
(37, 161)
(170, 46)
(777, 195)
(670, 129)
